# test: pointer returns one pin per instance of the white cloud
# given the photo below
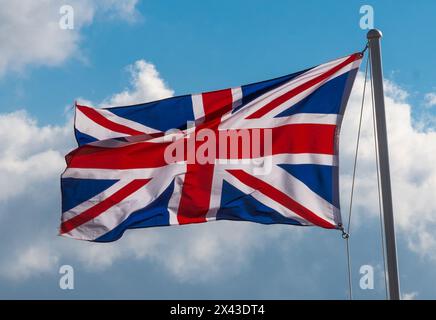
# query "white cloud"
(33, 155)
(192, 253)
(413, 171)
(124, 9)
(36, 158)
(29, 153)
(36, 259)
(216, 247)
(30, 32)
(393, 91)
(430, 99)
(146, 83)
(219, 247)
(410, 296)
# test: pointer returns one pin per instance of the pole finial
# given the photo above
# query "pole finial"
(374, 34)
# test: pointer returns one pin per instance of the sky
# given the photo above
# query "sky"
(122, 52)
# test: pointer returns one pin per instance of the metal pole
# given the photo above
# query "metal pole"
(374, 36)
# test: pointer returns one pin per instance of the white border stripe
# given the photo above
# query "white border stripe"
(173, 204)
(299, 118)
(291, 158)
(198, 108)
(109, 174)
(236, 97)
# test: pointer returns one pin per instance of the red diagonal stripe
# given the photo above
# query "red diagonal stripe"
(102, 206)
(104, 122)
(279, 197)
(292, 93)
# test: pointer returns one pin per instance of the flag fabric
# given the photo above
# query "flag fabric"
(120, 177)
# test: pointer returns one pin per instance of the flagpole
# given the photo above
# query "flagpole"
(374, 37)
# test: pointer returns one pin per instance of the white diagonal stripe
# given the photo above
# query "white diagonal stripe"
(125, 122)
(91, 128)
(230, 119)
(116, 214)
(264, 199)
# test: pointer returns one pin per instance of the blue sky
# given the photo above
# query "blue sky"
(215, 44)
(199, 46)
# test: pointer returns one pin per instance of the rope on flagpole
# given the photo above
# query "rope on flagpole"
(346, 233)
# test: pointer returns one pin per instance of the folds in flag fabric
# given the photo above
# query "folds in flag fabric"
(265, 152)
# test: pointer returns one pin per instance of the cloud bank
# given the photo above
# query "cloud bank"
(30, 32)
(33, 165)
(413, 173)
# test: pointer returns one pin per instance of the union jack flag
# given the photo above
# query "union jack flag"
(118, 178)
